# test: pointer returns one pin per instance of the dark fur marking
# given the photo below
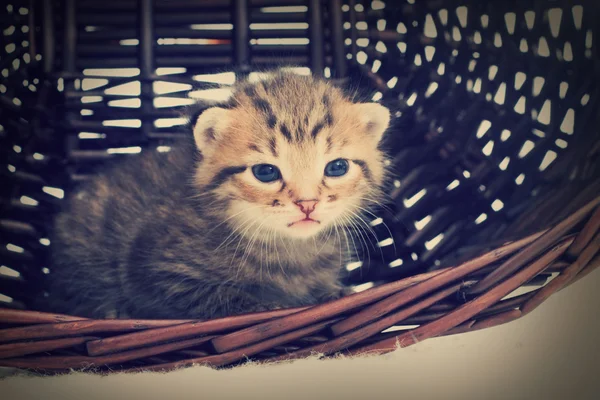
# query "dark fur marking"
(273, 146)
(324, 184)
(329, 144)
(332, 197)
(223, 175)
(250, 91)
(316, 129)
(276, 203)
(365, 169)
(264, 106)
(328, 115)
(286, 132)
(271, 120)
(329, 118)
(283, 186)
(254, 147)
(210, 132)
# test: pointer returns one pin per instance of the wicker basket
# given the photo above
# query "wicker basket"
(495, 142)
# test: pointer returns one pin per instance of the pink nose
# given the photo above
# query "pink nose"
(306, 206)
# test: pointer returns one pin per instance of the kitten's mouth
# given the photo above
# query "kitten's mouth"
(304, 221)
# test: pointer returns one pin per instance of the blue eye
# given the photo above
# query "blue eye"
(337, 167)
(266, 172)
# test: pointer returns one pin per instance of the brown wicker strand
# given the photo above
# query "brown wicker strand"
(132, 340)
(471, 308)
(518, 260)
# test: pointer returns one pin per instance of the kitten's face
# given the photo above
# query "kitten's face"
(294, 158)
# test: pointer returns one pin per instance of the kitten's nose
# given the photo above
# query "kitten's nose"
(306, 206)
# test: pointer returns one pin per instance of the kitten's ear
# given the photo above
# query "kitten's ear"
(374, 117)
(210, 127)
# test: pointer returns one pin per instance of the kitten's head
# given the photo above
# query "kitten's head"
(291, 154)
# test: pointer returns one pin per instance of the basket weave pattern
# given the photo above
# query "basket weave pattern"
(494, 143)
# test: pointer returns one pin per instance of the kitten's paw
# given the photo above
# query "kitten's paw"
(335, 294)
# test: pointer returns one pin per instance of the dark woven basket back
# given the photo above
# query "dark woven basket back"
(495, 103)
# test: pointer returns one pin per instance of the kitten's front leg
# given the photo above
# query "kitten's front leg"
(331, 293)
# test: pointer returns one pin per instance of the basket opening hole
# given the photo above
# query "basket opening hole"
(530, 19)
(453, 185)
(123, 123)
(429, 53)
(396, 263)
(14, 248)
(505, 135)
(545, 113)
(481, 219)
(162, 87)
(554, 20)
(526, 148)
(28, 201)
(492, 72)
(520, 106)
(124, 150)
(409, 202)
(500, 96)
(419, 225)
(353, 265)
(429, 30)
(560, 143)
(488, 148)
(484, 127)
(169, 122)
(456, 36)
(397, 328)
(568, 52)
(5, 299)
(442, 69)
(163, 102)
(564, 86)
(568, 124)
(497, 205)
(362, 287)
(543, 50)
(218, 94)
(510, 20)
(433, 243)
(548, 159)
(497, 40)
(128, 89)
(485, 20)
(577, 12)
(125, 103)
(112, 72)
(538, 84)
(5, 271)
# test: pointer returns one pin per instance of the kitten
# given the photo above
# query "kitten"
(247, 215)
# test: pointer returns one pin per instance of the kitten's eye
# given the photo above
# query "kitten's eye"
(266, 172)
(337, 167)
